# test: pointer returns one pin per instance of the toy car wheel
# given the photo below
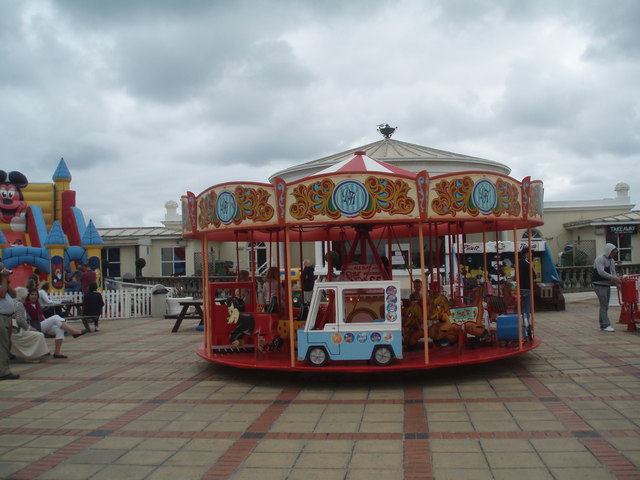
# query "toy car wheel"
(317, 357)
(382, 356)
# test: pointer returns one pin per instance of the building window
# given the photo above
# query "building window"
(620, 236)
(535, 235)
(111, 260)
(173, 261)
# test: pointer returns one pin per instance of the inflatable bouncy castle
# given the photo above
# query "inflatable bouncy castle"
(42, 232)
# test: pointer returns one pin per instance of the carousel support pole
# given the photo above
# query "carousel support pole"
(431, 259)
(289, 293)
(500, 293)
(485, 272)
(411, 267)
(531, 281)
(390, 253)
(206, 301)
(425, 313)
(461, 273)
(300, 253)
(451, 275)
(519, 302)
(252, 264)
(237, 257)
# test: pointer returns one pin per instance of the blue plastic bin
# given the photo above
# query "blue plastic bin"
(507, 327)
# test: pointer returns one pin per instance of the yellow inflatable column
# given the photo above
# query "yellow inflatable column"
(92, 243)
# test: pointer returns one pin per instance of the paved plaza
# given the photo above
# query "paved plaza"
(134, 401)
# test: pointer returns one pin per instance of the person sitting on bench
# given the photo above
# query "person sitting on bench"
(49, 307)
(54, 325)
(92, 305)
(26, 342)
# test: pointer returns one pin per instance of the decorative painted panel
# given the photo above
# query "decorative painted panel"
(229, 206)
(357, 197)
(474, 195)
(536, 209)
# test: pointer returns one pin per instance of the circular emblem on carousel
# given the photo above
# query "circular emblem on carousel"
(350, 197)
(484, 196)
(226, 207)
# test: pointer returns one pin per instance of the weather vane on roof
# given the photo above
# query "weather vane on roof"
(385, 130)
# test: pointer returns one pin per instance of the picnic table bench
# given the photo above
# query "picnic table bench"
(186, 315)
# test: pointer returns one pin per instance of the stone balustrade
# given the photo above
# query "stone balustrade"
(578, 279)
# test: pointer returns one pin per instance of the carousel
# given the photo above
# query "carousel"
(360, 318)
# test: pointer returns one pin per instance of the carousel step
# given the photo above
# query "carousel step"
(231, 349)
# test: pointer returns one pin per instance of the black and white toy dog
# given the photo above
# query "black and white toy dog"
(244, 322)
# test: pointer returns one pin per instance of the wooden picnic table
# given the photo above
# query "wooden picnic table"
(70, 309)
(184, 313)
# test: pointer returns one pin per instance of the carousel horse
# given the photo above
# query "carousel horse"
(479, 327)
(412, 329)
(244, 322)
(442, 331)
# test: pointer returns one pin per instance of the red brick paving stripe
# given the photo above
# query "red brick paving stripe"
(177, 390)
(417, 460)
(607, 455)
(52, 460)
(568, 417)
(318, 436)
(129, 416)
(229, 462)
(417, 456)
(68, 389)
(537, 387)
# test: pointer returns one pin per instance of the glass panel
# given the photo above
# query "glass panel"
(167, 269)
(113, 254)
(179, 268)
(167, 254)
(363, 305)
(179, 254)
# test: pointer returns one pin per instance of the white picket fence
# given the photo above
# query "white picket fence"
(131, 301)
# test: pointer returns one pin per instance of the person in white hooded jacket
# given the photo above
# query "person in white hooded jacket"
(604, 276)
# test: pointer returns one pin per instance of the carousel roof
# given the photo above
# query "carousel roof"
(407, 156)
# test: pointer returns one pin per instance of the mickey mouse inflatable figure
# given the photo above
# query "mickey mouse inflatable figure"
(13, 208)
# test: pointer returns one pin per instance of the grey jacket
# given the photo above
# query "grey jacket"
(604, 268)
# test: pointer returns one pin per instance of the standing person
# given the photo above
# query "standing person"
(54, 325)
(271, 289)
(244, 293)
(524, 280)
(308, 279)
(87, 277)
(416, 294)
(7, 310)
(604, 276)
(92, 305)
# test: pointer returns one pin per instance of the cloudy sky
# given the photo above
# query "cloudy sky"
(148, 99)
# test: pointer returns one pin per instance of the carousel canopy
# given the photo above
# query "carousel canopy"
(361, 163)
